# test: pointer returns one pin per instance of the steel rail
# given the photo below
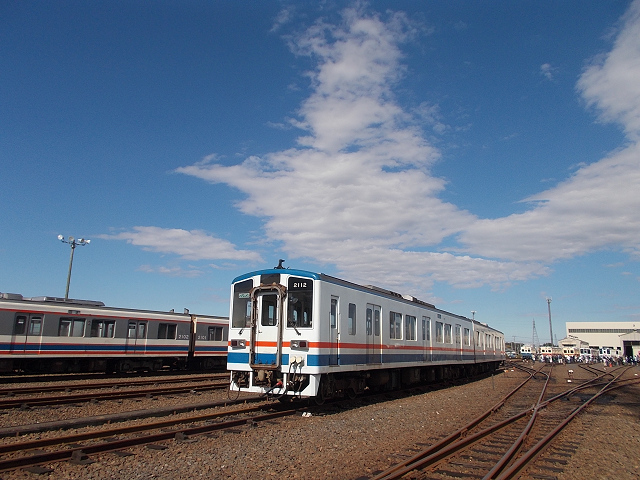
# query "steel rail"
(67, 454)
(446, 448)
(534, 451)
(85, 397)
(110, 432)
(430, 454)
(515, 447)
(67, 387)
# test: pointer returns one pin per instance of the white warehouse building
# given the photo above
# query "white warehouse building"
(619, 338)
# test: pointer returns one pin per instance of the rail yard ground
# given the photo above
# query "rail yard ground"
(356, 441)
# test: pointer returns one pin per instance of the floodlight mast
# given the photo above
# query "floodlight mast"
(73, 243)
(550, 327)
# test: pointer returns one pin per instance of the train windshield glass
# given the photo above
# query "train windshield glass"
(241, 315)
(300, 302)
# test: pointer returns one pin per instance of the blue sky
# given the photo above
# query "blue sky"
(483, 156)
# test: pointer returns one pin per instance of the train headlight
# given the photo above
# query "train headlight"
(299, 344)
(238, 343)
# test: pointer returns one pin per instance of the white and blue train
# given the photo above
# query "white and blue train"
(295, 333)
(49, 334)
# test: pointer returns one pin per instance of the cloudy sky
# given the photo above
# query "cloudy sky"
(482, 156)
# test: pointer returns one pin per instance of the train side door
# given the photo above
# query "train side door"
(373, 333)
(27, 328)
(334, 322)
(136, 336)
(426, 339)
(266, 326)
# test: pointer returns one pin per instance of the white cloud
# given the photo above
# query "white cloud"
(176, 271)
(611, 83)
(188, 245)
(547, 71)
(357, 190)
(599, 206)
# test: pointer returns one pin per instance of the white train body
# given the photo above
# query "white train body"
(300, 333)
(527, 351)
(46, 334)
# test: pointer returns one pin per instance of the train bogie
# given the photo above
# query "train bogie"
(298, 333)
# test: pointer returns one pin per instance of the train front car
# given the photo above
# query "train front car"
(273, 338)
(305, 334)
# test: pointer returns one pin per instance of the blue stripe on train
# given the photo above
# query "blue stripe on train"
(350, 359)
(48, 347)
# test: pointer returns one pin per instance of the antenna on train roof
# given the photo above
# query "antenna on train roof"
(280, 267)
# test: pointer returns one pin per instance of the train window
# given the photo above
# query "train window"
(241, 316)
(216, 334)
(103, 328)
(395, 326)
(142, 329)
(439, 332)
(300, 302)
(71, 327)
(137, 330)
(269, 310)
(447, 333)
(458, 334)
(333, 314)
(376, 321)
(167, 330)
(352, 319)
(368, 325)
(410, 325)
(467, 337)
(20, 325)
(35, 326)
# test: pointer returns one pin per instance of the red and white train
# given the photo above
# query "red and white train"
(48, 334)
(299, 333)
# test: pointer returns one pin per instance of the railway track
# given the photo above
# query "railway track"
(106, 391)
(505, 440)
(29, 454)
(74, 386)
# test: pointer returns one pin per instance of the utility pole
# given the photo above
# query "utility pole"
(550, 327)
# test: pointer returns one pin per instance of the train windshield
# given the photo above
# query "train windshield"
(300, 302)
(241, 314)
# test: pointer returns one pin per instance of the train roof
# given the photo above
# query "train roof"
(329, 278)
(45, 299)
(72, 302)
(370, 288)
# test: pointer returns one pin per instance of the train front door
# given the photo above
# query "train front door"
(27, 330)
(374, 339)
(136, 337)
(266, 326)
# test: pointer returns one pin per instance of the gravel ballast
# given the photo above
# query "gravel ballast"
(358, 441)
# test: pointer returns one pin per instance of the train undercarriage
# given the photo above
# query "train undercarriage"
(350, 384)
